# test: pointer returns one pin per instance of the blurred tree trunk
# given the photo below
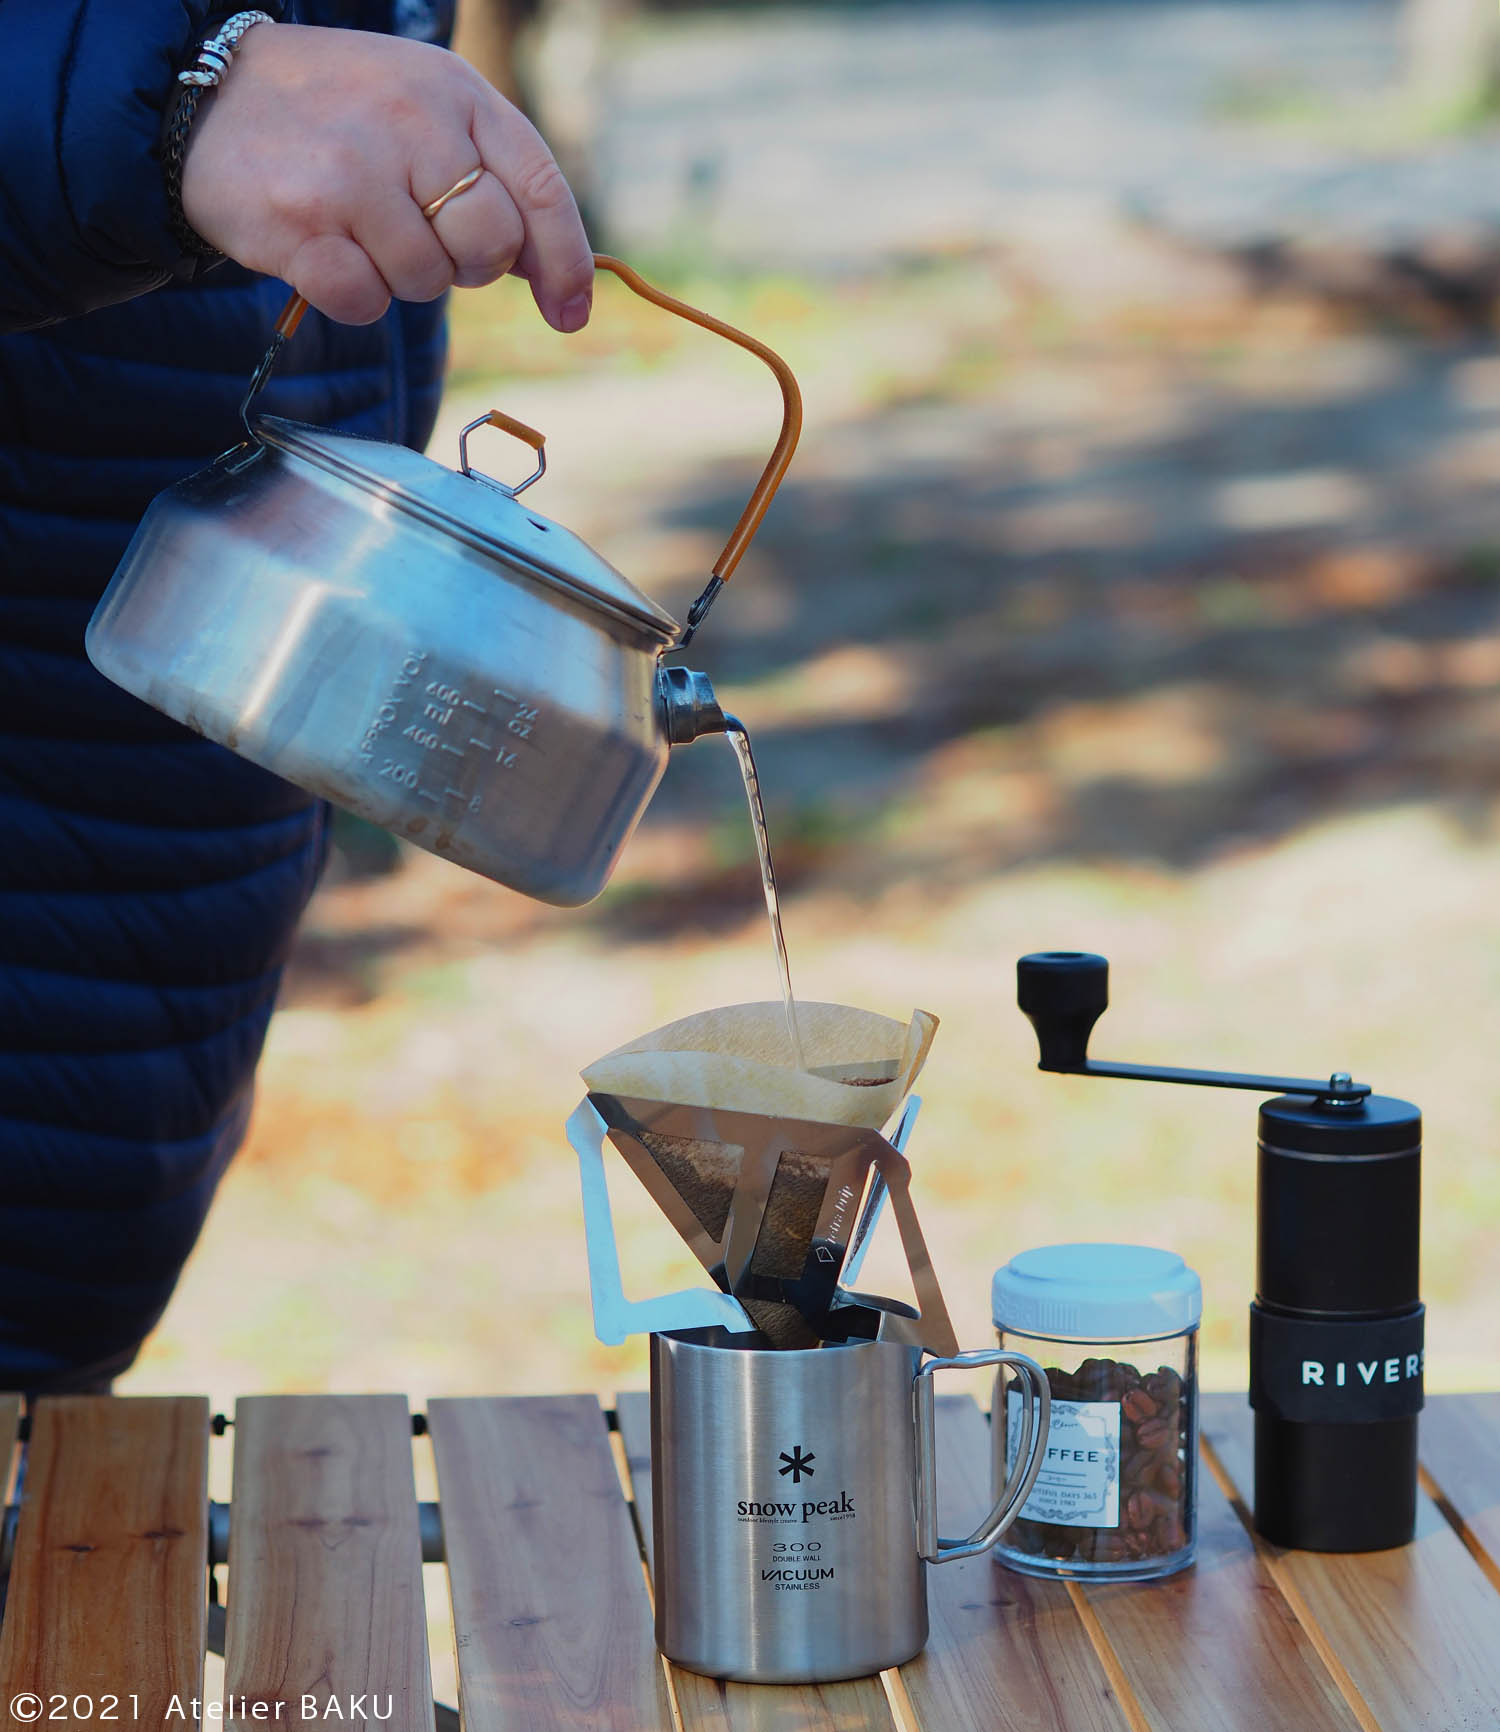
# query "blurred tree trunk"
(548, 57)
(1452, 52)
(486, 37)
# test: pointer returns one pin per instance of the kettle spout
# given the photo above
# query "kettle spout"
(689, 707)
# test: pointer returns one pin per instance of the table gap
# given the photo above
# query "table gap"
(442, 1655)
(10, 1420)
(1130, 1707)
(1469, 1539)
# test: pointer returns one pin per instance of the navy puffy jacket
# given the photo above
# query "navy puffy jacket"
(150, 883)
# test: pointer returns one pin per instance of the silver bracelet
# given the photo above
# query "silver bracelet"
(214, 55)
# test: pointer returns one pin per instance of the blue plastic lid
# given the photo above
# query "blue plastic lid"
(1097, 1293)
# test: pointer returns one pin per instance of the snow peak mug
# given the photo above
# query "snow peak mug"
(794, 1501)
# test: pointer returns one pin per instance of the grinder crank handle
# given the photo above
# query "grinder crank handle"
(770, 477)
(1065, 992)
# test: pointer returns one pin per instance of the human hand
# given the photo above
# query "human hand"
(313, 159)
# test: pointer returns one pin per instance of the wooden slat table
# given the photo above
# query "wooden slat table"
(546, 1533)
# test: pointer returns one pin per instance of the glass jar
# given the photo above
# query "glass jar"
(1116, 1329)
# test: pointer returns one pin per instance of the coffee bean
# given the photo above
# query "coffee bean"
(1164, 1384)
(1059, 1541)
(1138, 1405)
(1136, 1468)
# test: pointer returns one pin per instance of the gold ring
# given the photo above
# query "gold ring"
(431, 209)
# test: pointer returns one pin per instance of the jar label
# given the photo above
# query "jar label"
(1079, 1485)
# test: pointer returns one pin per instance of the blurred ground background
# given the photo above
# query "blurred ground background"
(1137, 588)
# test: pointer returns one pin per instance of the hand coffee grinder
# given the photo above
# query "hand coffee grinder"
(1336, 1354)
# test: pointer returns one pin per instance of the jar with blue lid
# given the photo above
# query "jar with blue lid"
(1116, 1329)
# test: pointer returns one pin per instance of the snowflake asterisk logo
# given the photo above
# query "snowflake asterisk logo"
(798, 1464)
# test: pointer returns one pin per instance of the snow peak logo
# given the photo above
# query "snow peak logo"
(797, 1464)
(842, 1505)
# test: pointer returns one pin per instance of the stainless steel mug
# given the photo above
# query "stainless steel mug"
(794, 1501)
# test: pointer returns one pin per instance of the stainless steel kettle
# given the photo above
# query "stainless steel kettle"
(416, 644)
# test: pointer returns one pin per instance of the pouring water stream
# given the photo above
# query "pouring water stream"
(738, 736)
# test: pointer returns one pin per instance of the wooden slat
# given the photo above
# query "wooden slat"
(1460, 1449)
(109, 1583)
(855, 1705)
(1416, 1629)
(1216, 1645)
(1006, 1650)
(550, 1613)
(325, 1564)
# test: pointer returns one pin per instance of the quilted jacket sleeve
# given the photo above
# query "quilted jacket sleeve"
(84, 85)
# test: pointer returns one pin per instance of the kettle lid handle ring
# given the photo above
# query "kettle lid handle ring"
(519, 430)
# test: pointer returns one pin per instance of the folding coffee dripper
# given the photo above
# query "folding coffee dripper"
(778, 1207)
(779, 1212)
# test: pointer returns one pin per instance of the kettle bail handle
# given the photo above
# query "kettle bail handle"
(765, 488)
(286, 328)
(781, 456)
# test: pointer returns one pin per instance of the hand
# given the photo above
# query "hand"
(313, 159)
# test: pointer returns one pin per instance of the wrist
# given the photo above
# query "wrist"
(196, 82)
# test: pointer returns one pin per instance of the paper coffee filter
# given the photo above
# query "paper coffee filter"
(861, 1066)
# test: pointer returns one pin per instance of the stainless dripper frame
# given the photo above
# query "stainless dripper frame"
(1336, 1327)
(780, 1212)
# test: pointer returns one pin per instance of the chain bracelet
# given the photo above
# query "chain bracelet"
(211, 62)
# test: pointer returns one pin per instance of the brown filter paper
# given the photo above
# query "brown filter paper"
(860, 1066)
(761, 1167)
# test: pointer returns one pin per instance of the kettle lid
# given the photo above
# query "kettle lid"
(475, 509)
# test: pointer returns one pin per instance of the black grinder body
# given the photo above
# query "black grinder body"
(1336, 1329)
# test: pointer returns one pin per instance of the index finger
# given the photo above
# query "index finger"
(556, 257)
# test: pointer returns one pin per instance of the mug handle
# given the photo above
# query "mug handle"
(1017, 1488)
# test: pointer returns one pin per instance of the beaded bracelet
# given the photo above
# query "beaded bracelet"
(210, 64)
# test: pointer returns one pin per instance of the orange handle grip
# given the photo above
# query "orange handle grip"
(791, 411)
(291, 317)
(509, 424)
